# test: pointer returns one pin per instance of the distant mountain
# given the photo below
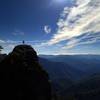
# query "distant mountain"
(86, 63)
(61, 74)
(86, 68)
(61, 69)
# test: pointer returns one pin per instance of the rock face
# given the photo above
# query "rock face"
(22, 77)
(2, 56)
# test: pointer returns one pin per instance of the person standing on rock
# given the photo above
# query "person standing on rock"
(22, 77)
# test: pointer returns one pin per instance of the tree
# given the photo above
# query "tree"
(1, 49)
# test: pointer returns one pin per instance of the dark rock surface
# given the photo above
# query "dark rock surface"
(2, 56)
(22, 77)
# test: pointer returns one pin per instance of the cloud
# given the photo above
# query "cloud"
(18, 33)
(47, 29)
(87, 39)
(8, 45)
(2, 41)
(78, 24)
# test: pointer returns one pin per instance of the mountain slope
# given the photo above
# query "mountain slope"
(86, 63)
(88, 89)
(61, 74)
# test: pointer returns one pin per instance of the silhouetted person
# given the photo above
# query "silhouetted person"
(22, 77)
(23, 42)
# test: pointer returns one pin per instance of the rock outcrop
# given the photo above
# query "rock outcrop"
(2, 56)
(22, 77)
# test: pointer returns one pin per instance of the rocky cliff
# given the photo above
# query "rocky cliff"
(22, 77)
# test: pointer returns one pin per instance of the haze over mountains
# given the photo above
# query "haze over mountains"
(81, 62)
(79, 73)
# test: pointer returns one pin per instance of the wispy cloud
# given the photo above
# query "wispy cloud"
(86, 39)
(79, 24)
(47, 29)
(8, 45)
(2, 41)
(18, 33)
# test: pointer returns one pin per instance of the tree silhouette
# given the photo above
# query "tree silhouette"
(1, 49)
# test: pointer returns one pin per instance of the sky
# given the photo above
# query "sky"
(52, 27)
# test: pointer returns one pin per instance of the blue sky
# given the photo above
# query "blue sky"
(51, 26)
